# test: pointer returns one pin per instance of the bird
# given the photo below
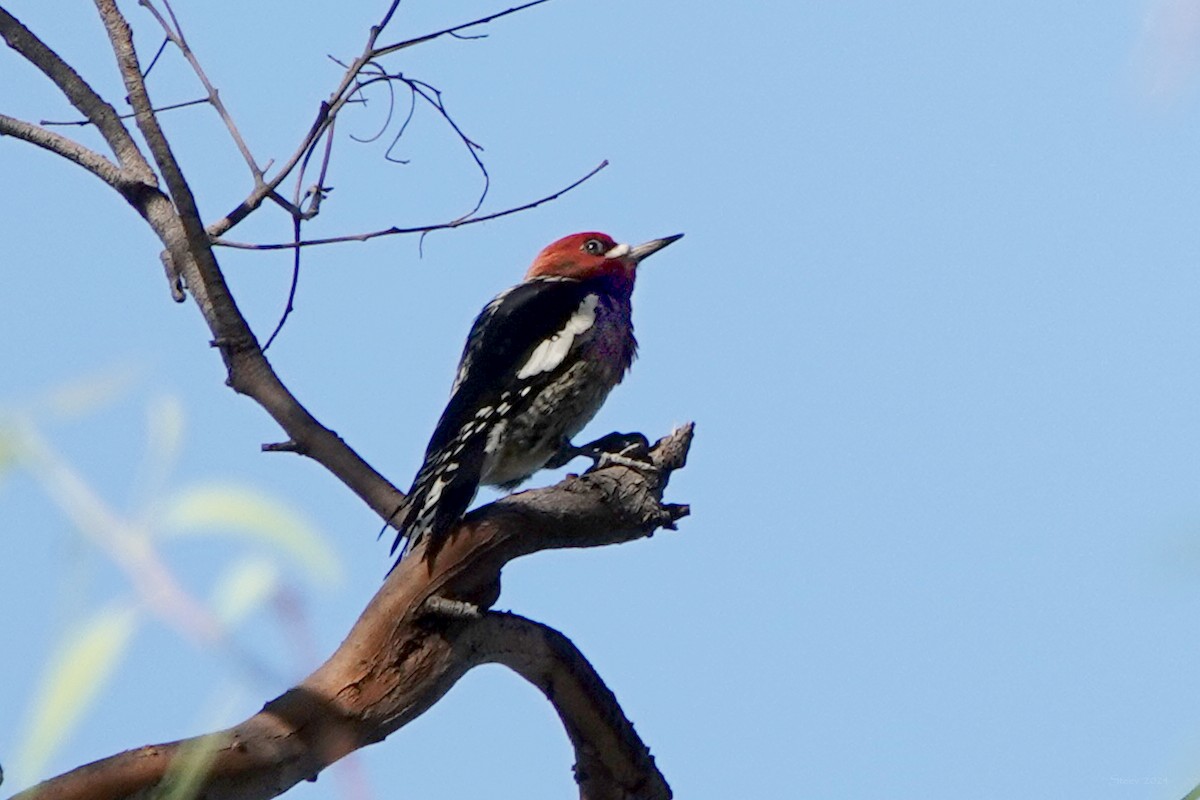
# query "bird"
(538, 363)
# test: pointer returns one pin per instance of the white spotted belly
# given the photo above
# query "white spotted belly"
(520, 446)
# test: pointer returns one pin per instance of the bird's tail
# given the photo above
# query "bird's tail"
(440, 495)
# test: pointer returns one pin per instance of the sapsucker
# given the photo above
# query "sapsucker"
(539, 362)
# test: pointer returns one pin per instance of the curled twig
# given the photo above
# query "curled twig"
(328, 110)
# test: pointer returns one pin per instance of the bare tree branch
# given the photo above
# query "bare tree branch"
(429, 37)
(79, 93)
(433, 97)
(399, 659)
(177, 223)
(162, 48)
(317, 192)
(329, 109)
(440, 226)
(325, 114)
(159, 110)
(611, 761)
(68, 148)
(121, 39)
(174, 33)
(299, 215)
(290, 306)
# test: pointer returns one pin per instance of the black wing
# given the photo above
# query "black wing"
(503, 337)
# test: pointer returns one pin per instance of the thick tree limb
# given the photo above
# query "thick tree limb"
(611, 762)
(399, 660)
(66, 147)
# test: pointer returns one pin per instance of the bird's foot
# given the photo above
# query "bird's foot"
(567, 452)
(624, 449)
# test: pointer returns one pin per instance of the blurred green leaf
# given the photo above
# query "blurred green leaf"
(164, 428)
(242, 588)
(86, 659)
(8, 451)
(164, 442)
(231, 509)
(92, 392)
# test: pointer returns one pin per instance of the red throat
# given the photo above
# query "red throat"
(569, 257)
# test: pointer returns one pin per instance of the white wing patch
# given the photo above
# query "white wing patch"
(551, 352)
(485, 316)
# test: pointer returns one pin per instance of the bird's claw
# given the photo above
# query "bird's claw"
(621, 449)
(629, 445)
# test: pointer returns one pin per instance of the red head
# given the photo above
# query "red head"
(590, 255)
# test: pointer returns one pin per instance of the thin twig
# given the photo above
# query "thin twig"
(297, 223)
(291, 298)
(130, 115)
(175, 34)
(329, 109)
(320, 190)
(297, 191)
(284, 203)
(433, 96)
(298, 218)
(472, 148)
(391, 106)
(325, 114)
(391, 48)
(157, 55)
(362, 237)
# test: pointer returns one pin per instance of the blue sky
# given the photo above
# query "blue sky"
(935, 318)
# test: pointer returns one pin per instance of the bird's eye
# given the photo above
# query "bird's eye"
(594, 247)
